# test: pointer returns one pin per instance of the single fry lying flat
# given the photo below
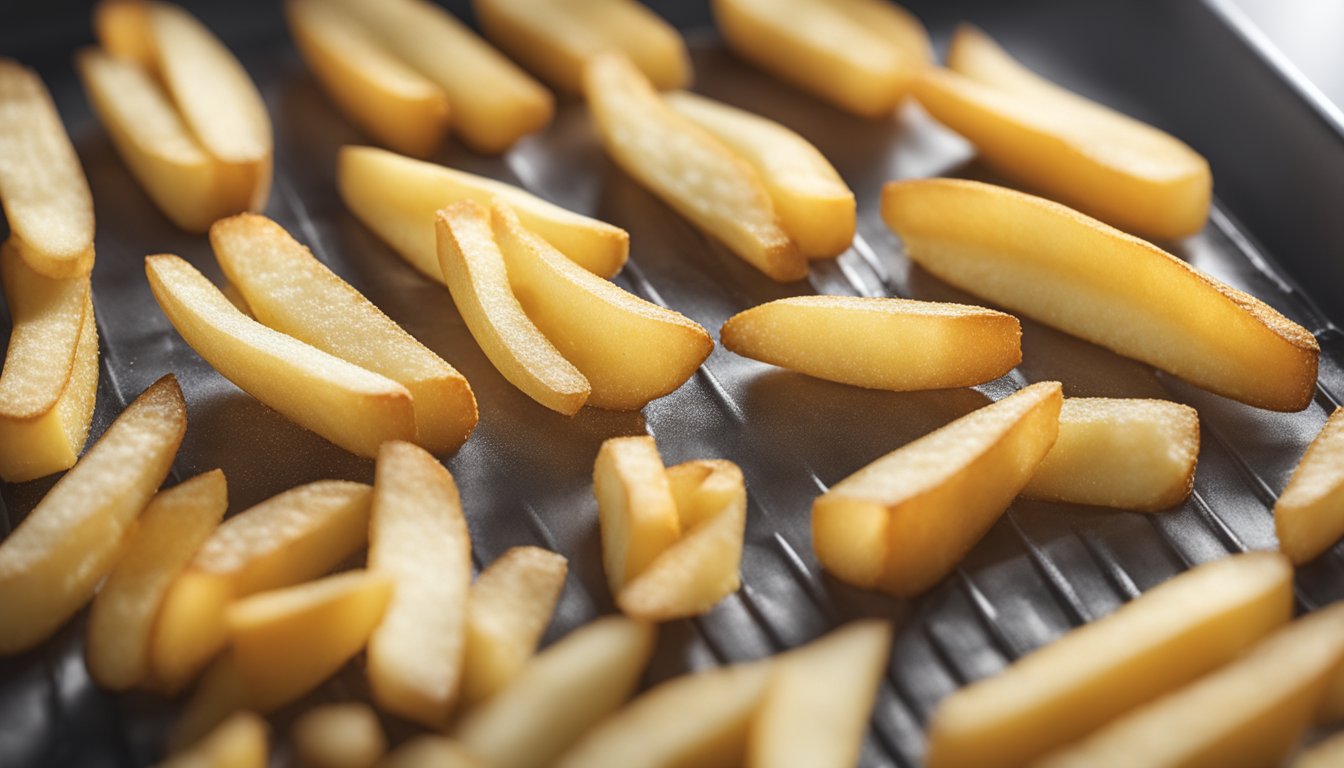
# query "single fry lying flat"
(1309, 515)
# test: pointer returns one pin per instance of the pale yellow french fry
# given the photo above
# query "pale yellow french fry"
(418, 540)
(635, 508)
(352, 407)
(339, 736)
(562, 693)
(432, 752)
(217, 100)
(814, 205)
(46, 198)
(631, 351)
(1160, 641)
(701, 719)
(694, 173)
(1249, 712)
(51, 563)
(50, 376)
(122, 29)
(904, 521)
(1323, 754)
(494, 102)
(701, 567)
(478, 280)
(1127, 454)
(379, 92)
(860, 55)
(1048, 262)
(801, 724)
(397, 198)
(556, 39)
(238, 742)
(1309, 515)
(879, 343)
(1124, 172)
(121, 621)
(289, 290)
(511, 605)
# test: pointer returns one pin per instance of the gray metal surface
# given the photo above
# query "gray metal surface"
(525, 475)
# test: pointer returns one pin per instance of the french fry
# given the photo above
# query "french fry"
(511, 605)
(688, 169)
(418, 540)
(50, 376)
(1045, 261)
(1122, 171)
(46, 198)
(432, 752)
(122, 29)
(339, 736)
(636, 511)
(555, 40)
(289, 290)
(121, 621)
(879, 343)
(815, 206)
(1160, 641)
(238, 742)
(379, 92)
(860, 55)
(51, 563)
(494, 102)
(903, 522)
(352, 407)
(562, 693)
(631, 351)
(397, 197)
(1309, 515)
(478, 280)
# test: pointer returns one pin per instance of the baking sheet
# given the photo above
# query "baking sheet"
(525, 475)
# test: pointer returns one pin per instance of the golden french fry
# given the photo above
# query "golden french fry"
(1309, 515)
(1055, 265)
(289, 290)
(188, 632)
(636, 511)
(46, 198)
(879, 343)
(339, 736)
(51, 563)
(122, 29)
(690, 170)
(904, 521)
(238, 742)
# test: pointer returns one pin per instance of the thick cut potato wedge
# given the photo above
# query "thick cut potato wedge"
(1249, 712)
(1309, 515)
(860, 55)
(50, 376)
(474, 270)
(46, 198)
(805, 725)
(903, 522)
(636, 511)
(896, 344)
(285, 642)
(339, 736)
(1155, 644)
(286, 288)
(700, 720)
(694, 173)
(1055, 265)
(379, 92)
(701, 567)
(418, 539)
(397, 198)
(51, 563)
(1124, 172)
(562, 693)
(352, 407)
(432, 752)
(510, 607)
(556, 39)
(814, 205)
(121, 621)
(1127, 454)
(217, 100)
(631, 351)
(494, 102)
(1324, 754)
(288, 539)
(238, 742)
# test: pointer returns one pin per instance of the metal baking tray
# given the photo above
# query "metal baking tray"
(525, 474)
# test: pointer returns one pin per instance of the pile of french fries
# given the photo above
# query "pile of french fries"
(252, 611)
